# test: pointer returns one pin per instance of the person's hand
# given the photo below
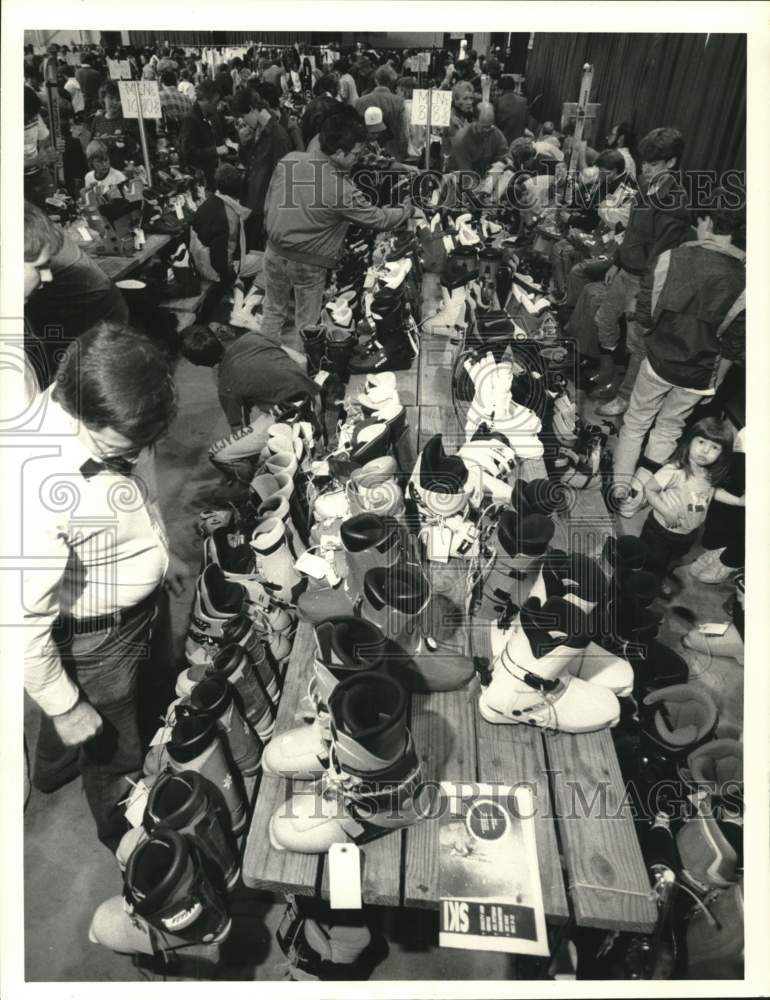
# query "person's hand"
(222, 150)
(177, 575)
(245, 135)
(609, 277)
(79, 725)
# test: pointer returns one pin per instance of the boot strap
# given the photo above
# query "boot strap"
(534, 681)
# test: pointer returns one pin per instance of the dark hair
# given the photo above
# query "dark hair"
(611, 159)
(229, 180)
(109, 88)
(407, 84)
(268, 92)
(39, 233)
(327, 82)
(728, 218)
(112, 376)
(626, 129)
(341, 132)
(168, 78)
(86, 59)
(662, 144)
(200, 345)
(31, 103)
(207, 90)
(713, 430)
(245, 100)
(507, 82)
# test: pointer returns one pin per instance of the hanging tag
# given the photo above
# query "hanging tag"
(320, 468)
(311, 565)
(178, 209)
(332, 576)
(135, 806)
(140, 240)
(449, 244)
(163, 735)
(85, 235)
(439, 543)
(345, 877)
(713, 628)
(320, 377)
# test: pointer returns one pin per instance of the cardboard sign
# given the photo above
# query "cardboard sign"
(145, 91)
(491, 896)
(120, 69)
(440, 108)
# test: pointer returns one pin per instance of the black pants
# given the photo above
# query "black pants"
(665, 547)
(726, 528)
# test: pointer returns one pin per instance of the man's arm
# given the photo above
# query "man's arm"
(356, 207)
(45, 679)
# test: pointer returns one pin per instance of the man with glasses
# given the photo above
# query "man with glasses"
(98, 558)
(478, 145)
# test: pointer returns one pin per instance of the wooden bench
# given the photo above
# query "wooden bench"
(120, 267)
(591, 867)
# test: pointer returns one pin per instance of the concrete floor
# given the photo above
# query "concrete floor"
(68, 873)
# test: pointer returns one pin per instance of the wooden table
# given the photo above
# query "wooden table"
(120, 267)
(590, 863)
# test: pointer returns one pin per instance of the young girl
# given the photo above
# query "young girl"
(680, 494)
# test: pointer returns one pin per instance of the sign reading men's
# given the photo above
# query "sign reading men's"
(145, 91)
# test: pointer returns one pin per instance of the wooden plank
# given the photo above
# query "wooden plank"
(118, 267)
(585, 526)
(440, 420)
(381, 871)
(606, 875)
(443, 726)
(263, 866)
(514, 755)
(437, 355)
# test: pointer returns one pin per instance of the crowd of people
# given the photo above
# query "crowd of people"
(648, 283)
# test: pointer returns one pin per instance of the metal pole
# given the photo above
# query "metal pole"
(427, 129)
(142, 134)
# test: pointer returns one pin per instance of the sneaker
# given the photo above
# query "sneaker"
(614, 408)
(631, 503)
(705, 559)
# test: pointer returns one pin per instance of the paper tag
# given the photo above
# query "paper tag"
(84, 234)
(449, 244)
(163, 735)
(320, 468)
(439, 543)
(311, 565)
(179, 210)
(135, 806)
(344, 877)
(139, 238)
(713, 628)
(320, 377)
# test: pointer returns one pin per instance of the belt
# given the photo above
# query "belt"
(101, 623)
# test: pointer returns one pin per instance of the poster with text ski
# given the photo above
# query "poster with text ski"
(144, 90)
(440, 108)
(489, 877)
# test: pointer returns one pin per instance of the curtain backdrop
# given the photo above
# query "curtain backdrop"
(696, 83)
(218, 38)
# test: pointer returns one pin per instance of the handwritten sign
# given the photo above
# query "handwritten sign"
(440, 111)
(120, 69)
(145, 91)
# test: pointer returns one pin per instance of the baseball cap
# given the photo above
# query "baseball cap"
(373, 120)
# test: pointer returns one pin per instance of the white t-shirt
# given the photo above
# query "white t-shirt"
(696, 495)
(113, 178)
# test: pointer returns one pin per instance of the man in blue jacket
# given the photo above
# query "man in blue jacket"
(693, 305)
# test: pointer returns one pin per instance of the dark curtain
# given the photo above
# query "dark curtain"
(218, 38)
(696, 83)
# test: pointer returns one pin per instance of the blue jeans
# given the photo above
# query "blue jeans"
(106, 665)
(282, 277)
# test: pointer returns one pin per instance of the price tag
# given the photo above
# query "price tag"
(85, 235)
(713, 628)
(135, 806)
(139, 238)
(439, 543)
(320, 378)
(320, 468)
(311, 565)
(449, 244)
(345, 877)
(178, 209)
(163, 735)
